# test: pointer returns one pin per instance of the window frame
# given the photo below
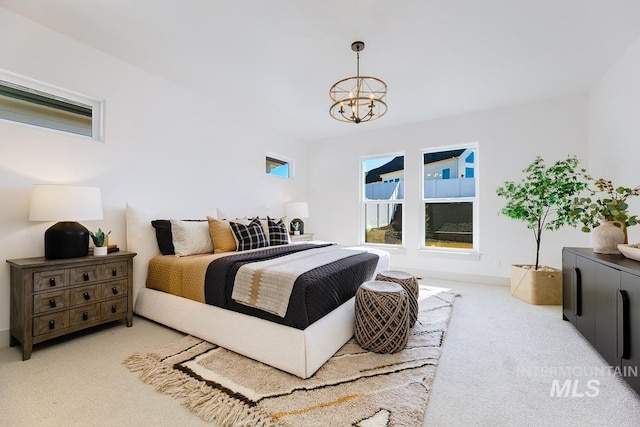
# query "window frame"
(57, 95)
(364, 202)
(475, 250)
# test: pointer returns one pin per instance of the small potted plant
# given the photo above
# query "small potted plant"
(295, 226)
(543, 199)
(606, 207)
(100, 241)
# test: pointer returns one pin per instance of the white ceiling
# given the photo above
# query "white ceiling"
(274, 61)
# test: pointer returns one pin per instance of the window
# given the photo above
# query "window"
(382, 199)
(449, 198)
(278, 167)
(37, 104)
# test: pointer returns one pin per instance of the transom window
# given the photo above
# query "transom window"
(37, 104)
(277, 166)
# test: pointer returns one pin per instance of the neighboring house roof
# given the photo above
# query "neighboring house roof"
(396, 164)
(441, 155)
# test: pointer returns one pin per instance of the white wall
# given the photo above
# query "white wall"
(509, 139)
(614, 121)
(164, 145)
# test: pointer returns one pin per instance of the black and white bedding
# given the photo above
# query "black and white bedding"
(315, 292)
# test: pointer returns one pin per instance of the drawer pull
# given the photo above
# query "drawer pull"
(85, 316)
(114, 272)
(114, 309)
(52, 281)
(623, 325)
(86, 296)
(52, 303)
(114, 290)
(52, 325)
(577, 295)
(85, 276)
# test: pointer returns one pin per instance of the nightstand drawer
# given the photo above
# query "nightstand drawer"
(84, 294)
(44, 280)
(84, 314)
(84, 274)
(50, 323)
(113, 289)
(48, 301)
(114, 306)
(115, 269)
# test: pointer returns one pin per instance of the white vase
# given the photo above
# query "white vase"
(100, 251)
(606, 237)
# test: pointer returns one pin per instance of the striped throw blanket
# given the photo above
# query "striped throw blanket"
(267, 285)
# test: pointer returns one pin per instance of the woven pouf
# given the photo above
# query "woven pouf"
(382, 316)
(410, 284)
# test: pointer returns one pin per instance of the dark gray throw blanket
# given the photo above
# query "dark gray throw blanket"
(315, 293)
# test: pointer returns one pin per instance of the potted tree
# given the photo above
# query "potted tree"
(543, 200)
(606, 207)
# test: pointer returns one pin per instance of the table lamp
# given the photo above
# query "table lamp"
(65, 204)
(297, 210)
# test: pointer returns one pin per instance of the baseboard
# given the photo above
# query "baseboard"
(4, 338)
(459, 277)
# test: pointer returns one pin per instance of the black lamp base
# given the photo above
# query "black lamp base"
(66, 239)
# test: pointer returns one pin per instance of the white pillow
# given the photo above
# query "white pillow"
(191, 237)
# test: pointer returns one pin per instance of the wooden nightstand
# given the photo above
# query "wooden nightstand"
(306, 237)
(54, 297)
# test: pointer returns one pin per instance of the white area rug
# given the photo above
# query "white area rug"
(354, 388)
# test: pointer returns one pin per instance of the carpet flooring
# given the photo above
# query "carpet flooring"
(355, 387)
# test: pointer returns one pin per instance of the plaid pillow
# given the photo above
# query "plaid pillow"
(278, 234)
(249, 236)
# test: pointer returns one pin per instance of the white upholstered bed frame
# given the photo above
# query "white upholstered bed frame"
(299, 352)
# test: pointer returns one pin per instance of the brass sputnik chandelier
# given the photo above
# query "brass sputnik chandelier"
(360, 98)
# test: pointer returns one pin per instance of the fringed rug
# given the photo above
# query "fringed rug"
(353, 388)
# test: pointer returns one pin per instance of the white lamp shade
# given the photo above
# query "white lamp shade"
(65, 203)
(297, 210)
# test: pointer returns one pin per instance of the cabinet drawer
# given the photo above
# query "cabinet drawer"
(84, 274)
(50, 323)
(47, 301)
(113, 289)
(52, 279)
(84, 314)
(114, 306)
(85, 294)
(115, 269)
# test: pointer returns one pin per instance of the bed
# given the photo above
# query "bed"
(294, 346)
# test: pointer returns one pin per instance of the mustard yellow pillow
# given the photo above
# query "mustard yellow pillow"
(221, 235)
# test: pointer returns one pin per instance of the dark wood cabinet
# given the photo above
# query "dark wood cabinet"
(601, 297)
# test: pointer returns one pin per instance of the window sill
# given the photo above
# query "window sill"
(443, 253)
(399, 250)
